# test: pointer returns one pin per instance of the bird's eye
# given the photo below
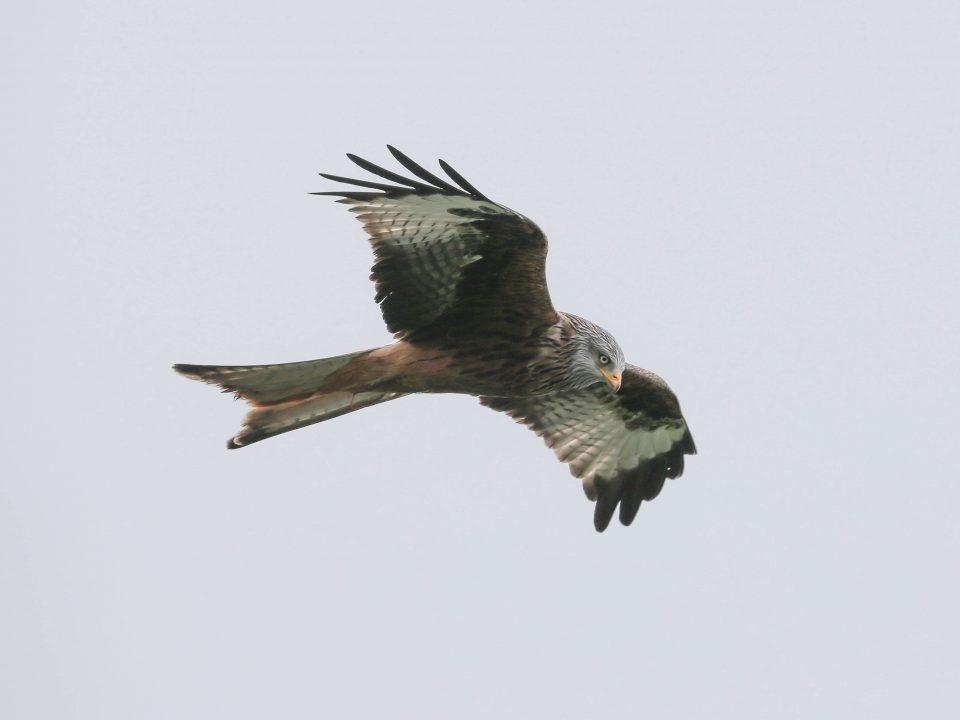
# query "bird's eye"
(604, 360)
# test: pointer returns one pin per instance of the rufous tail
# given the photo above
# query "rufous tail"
(288, 396)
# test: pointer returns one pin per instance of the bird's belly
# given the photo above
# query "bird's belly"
(484, 375)
(475, 369)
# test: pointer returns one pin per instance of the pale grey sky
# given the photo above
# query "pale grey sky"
(760, 200)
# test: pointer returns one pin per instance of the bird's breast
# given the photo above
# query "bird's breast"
(498, 364)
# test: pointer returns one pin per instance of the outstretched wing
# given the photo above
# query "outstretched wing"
(447, 258)
(622, 445)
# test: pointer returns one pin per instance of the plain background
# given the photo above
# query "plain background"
(760, 200)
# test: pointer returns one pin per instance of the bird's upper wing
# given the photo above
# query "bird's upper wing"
(622, 445)
(446, 257)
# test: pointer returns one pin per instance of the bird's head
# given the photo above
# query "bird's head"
(597, 355)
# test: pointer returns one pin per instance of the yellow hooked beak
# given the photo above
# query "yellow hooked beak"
(612, 378)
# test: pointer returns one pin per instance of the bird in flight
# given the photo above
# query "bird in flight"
(460, 280)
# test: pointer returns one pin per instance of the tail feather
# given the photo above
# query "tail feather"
(270, 383)
(268, 420)
(288, 396)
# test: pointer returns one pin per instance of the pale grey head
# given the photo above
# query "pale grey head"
(597, 356)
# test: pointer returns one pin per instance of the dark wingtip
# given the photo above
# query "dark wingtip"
(366, 183)
(630, 503)
(389, 174)
(462, 181)
(422, 172)
(603, 513)
(676, 463)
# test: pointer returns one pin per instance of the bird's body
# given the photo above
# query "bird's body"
(461, 283)
(486, 363)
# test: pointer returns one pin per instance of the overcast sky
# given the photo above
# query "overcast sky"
(760, 201)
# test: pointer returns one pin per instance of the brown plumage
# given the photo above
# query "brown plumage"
(460, 281)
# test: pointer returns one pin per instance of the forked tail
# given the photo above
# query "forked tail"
(288, 396)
